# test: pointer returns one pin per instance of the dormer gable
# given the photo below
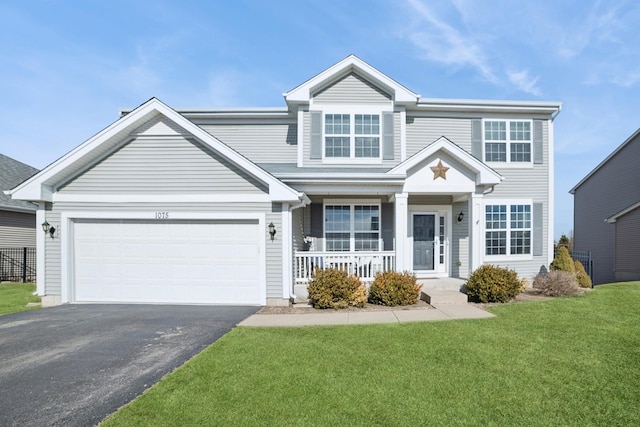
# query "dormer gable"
(351, 67)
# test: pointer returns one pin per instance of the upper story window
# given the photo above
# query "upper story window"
(507, 141)
(352, 135)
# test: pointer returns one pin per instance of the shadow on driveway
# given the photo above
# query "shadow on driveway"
(73, 365)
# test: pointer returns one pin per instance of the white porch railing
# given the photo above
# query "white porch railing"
(363, 264)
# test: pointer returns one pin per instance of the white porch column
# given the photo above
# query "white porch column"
(476, 247)
(287, 254)
(402, 213)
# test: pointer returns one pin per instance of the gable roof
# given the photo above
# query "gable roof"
(12, 173)
(484, 174)
(602, 163)
(41, 186)
(351, 64)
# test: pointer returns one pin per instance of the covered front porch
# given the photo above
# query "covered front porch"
(423, 216)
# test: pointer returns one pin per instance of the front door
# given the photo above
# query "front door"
(424, 242)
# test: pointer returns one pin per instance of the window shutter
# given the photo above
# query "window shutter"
(537, 141)
(316, 220)
(537, 229)
(387, 136)
(476, 138)
(316, 135)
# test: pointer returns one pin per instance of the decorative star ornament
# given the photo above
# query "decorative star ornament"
(439, 171)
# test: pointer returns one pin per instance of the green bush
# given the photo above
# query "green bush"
(581, 276)
(333, 288)
(563, 261)
(491, 283)
(392, 288)
(556, 284)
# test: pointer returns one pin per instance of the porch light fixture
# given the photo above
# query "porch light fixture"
(460, 216)
(47, 228)
(272, 230)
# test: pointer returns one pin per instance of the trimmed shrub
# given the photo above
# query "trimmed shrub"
(392, 288)
(556, 284)
(563, 261)
(333, 288)
(581, 276)
(490, 283)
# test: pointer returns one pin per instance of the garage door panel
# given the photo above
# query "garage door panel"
(172, 262)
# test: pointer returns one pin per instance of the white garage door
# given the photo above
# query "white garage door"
(201, 262)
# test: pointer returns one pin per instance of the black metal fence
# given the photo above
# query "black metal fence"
(17, 264)
(584, 257)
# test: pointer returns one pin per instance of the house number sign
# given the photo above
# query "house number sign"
(162, 215)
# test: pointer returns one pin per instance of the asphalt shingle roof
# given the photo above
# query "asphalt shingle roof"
(12, 173)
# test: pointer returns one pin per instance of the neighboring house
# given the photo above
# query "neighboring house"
(237, 206)
(606, 214)
(17, 217)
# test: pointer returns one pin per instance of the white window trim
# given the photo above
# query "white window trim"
(508, 163)
(352, 111)
(351, 203)
(507, 256)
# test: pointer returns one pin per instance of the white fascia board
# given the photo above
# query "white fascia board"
(481, 105)
(160, 198)
(302, 93)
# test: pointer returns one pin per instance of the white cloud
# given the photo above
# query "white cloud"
(443, 43)
(524, 82)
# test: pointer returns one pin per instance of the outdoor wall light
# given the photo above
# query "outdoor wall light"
(272, 230)
(48, 229)
(460, 216)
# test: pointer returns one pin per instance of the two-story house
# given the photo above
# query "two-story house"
(237, 206)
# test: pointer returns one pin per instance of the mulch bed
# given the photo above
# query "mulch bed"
(300, 308)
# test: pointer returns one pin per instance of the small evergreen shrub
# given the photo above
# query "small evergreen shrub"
(563, 261)
(392, 288)
(333, 288)
(490, 283)
(556, 284)
(581, 276)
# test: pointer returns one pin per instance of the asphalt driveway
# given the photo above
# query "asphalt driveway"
(73, 365)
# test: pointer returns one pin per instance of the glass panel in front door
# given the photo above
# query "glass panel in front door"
(424, 227)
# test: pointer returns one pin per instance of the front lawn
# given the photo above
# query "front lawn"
(569, 361)
(14, 297)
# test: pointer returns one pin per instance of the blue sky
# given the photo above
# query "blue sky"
(66, 67)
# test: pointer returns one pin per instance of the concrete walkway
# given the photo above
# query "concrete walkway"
(337, 317)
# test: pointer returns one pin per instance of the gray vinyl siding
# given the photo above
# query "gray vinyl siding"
(609, 190)
(17, 229)
(306, 146)
(260, 143)
(168, 166)
(528, 182)
(460, 240)
(627, 250)
(297, 229)
(53, 259)
(422, 131)
(274, 253)
(420, 199)
(351, 89)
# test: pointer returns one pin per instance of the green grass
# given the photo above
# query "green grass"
(14, 297)
(567, 361)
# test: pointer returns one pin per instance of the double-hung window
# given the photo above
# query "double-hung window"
(507, 141)
(508, 229)
(352, 227)
(352, 136)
